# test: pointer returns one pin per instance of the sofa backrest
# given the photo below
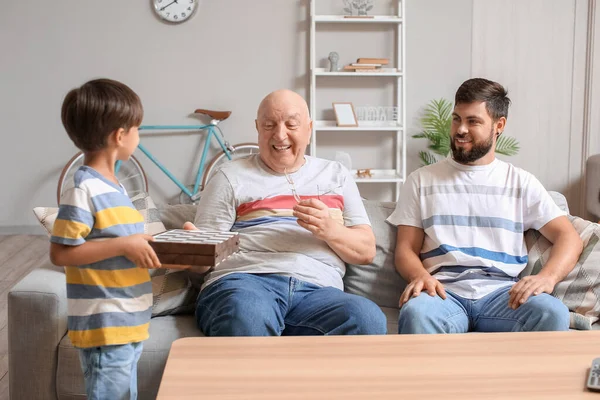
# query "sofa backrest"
(378, 281)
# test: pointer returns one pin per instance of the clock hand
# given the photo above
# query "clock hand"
(174, 1)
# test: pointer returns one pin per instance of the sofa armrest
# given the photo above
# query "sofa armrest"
(37, 322)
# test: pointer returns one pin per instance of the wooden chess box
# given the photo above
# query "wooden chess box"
(205, 248)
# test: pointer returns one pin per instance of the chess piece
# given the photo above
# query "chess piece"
(333, 61)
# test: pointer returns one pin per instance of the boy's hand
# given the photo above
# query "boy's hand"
(137, 250)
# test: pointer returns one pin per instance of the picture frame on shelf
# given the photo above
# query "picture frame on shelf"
(344, 114)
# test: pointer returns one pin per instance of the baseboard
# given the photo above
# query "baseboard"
(22, 230)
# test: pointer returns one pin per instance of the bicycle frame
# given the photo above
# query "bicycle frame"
(195, 193)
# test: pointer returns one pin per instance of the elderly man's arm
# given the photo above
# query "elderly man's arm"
(353, 244)
(567, 247)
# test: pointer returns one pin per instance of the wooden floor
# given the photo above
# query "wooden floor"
(19, 254)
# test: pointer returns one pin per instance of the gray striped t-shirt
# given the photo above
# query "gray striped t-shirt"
(248, 197)
(474, 219)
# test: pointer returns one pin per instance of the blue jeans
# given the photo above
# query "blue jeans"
(110, 372)
(431, 314)
(243, 304)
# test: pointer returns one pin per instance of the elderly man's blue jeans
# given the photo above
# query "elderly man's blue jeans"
(272, 305)
(455, 314)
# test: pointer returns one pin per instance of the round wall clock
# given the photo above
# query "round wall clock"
(175, 11)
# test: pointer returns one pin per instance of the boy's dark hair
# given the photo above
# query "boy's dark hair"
(479, 89)
(99, 107)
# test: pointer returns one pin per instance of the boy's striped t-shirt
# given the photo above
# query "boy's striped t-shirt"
(109, 301)
(474, 219)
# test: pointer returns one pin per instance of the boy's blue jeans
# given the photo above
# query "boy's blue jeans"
(427, 314)
(110, 372)
(243, 304)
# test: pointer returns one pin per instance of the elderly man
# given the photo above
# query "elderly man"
(300, 219)
(460, 233)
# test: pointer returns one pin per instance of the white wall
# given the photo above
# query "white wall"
(591, 138)
(593, 146)
(228, 56)
(536, 48)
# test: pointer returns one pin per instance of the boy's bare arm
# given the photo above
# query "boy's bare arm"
(410, 267)
(134, 247)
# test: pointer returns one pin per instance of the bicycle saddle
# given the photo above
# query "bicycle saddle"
(219, 115)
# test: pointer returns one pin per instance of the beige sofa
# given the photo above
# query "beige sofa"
(43, 364)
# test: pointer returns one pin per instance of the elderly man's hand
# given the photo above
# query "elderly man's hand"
(313, 215)
(188, 226)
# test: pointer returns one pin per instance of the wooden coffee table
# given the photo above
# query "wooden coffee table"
(546, 365)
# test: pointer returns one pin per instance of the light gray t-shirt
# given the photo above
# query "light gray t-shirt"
(248, 197)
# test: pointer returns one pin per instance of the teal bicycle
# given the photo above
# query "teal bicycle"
(132, 175)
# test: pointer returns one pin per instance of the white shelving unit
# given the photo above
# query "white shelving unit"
(397, 175)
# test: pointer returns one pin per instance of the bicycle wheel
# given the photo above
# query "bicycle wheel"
(131, 175)
(241, 150)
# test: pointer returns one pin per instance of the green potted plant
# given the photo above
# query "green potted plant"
(436, 122)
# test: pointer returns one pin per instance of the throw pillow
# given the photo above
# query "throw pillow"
(171, 289)
(175, 215)
(46, 217)
(580, 290)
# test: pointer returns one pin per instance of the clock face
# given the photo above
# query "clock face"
(175, 10)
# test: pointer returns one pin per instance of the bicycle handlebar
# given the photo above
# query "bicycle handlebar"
(174, 127)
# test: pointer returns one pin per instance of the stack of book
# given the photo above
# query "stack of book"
(367, 65)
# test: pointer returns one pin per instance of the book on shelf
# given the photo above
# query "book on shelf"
(382, 70)
(365, 65)
(383, 61)
(352, 67)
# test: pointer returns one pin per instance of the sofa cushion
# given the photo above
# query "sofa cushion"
(580, 290)
(378, 281)
(163, 331)
(391, 316)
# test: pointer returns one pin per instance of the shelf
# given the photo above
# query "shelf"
(362, 126)
(380, 175)
(367, 133)
(382, 72)
(376, 19)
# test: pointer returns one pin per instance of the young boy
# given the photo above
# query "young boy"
(98, 237)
